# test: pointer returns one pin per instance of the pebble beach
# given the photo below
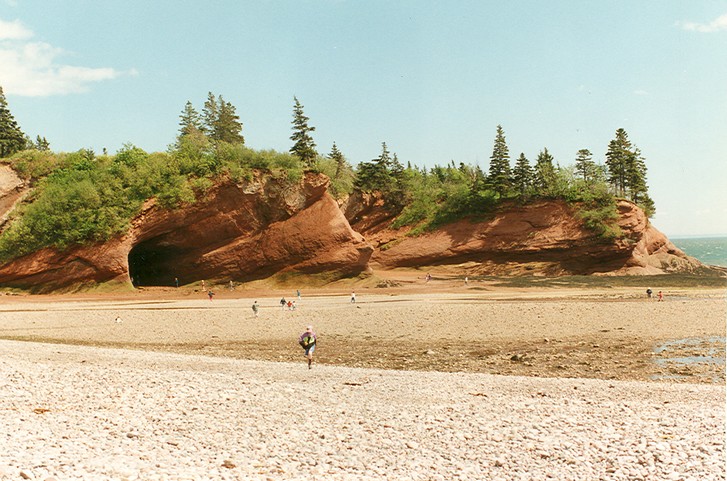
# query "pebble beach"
(172, 389)
(77, 412)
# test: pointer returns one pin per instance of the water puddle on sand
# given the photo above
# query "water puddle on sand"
(702, 358)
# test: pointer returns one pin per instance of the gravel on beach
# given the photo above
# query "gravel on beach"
(77, 412)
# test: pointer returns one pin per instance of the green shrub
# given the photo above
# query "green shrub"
(34, 164)
(601, 219)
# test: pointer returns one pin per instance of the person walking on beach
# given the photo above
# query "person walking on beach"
(307, 341)
(649, 292)
(210, 294)
(661, 296)
(297, 292)
(255, 308)
(176, 282)
(283, 303)
(353, 298)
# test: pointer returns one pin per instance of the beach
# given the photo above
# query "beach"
(409, 384)
(612, 334)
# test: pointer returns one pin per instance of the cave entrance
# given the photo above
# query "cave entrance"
(153, 263)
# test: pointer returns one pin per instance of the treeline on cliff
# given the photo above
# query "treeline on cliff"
(83, 197)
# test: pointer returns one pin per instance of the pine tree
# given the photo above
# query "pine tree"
(228, 127)
(220, 121)
(545, 176)
(499, 175)
(522, 175)
(585, 165)
(375, 174)
(41, 143)
(618, 156)
(338, 158)
(304, 147)
(636, 181)
(12, 139)
(209, 114)
(189, 120)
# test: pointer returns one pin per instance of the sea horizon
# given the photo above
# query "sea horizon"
(710, 250)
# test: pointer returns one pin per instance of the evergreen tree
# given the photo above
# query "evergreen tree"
(209, 114)
(545, 175)
(377, 174)
(618, 157)
(189, 120)
(41, 144)
(228, 127)
(627, 171)
(638, 190)
(585, 165)
(499, 175)
(220, 121)
(338, 158)
(522, 175)
(12, 138)
(304, 147)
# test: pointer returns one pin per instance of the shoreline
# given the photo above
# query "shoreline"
(563, 333)
(92, 413)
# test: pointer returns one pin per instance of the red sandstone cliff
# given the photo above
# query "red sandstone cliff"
(238, 232)
(541, 238)
(257, 229)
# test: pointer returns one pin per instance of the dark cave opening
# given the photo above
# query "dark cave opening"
(152, 263)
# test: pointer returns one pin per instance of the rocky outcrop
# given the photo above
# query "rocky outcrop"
(239, 232)
(541, 238)
(267, 226)
(12, 190)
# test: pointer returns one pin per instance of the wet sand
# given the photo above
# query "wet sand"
(437, 326)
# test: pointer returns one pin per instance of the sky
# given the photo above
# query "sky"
(432, 79)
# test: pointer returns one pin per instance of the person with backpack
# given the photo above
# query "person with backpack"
(307, 341)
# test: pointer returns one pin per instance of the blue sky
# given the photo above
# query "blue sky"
(432, 79)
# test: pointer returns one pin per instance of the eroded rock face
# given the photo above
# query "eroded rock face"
(263, 227)
(543, 238)
(238, 232)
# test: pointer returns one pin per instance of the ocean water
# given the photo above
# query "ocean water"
(709, 250)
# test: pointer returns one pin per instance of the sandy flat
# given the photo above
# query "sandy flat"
(614, 334)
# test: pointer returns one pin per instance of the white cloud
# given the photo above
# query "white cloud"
(641, 92)
(720, 23)
(13, 30)
(34, 69)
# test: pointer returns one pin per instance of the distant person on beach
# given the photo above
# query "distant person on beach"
(297, 292)
(255, 308)
(210, 294)
(203, 288)
(466, 280)
(661, 296)
(353, 298)
(232, 286)
(176, 281)
(282, 303)
(428, 277)
(307, 341)
(290, 306)
(649, 292)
